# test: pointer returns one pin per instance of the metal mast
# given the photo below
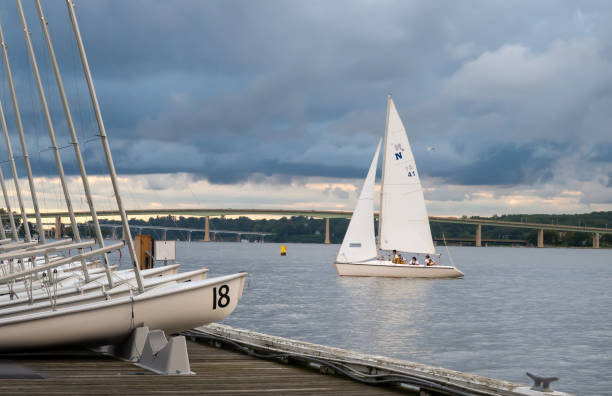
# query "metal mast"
(105, 145)
(2, 232)
(382, 180)
(9, 150)
(8, 209)
(75, 141)
(54, 148)
(24, 147)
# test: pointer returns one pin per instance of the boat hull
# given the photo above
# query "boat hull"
(123, 289)
(66, 290)
(390, 270)
(173, 308)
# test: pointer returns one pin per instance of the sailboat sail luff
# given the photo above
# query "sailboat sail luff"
(359, 242)
(404, 224)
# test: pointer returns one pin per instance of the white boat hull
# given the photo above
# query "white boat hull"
(65, 289)
(174, 308)
(390, 270)
(123, 289)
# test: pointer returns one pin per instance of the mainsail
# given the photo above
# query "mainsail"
(359, 243)
(404, 224)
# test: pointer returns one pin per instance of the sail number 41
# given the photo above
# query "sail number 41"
(221, 299)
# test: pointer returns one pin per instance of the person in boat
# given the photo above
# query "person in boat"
(414, 261)
(429, 261)
(397, 258)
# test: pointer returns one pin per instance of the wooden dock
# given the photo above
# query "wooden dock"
(217, 372)
(229, 361)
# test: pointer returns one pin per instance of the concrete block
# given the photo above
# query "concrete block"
(162, 356)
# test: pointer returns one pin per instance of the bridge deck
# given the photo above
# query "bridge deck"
(320, 214)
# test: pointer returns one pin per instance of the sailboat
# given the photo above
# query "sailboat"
(99, 311)
(403, 220)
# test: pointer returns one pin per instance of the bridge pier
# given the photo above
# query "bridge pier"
(114, 233)
(237, 237)
(164, 235)
(479, 235)
(541, 238)
(596, 240)
(207, 230)
(189, 236)
(58, 228)
(327, 241)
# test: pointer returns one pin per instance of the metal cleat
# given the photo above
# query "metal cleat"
(541, 384)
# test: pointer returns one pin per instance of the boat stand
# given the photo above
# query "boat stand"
(151, 350)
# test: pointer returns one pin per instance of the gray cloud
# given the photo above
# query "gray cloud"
(237, 90)
(502, 165)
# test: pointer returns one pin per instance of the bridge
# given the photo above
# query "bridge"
(189, 231)
(331, 214)
(492, 241)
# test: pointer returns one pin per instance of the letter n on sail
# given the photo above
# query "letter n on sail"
(398, 156)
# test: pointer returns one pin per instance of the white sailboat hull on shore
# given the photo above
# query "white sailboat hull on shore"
(391, 270)
(67, 290)
(123, 289)
(174, 308)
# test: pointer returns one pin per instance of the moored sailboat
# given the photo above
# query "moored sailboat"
(403, 220)
(92, 310)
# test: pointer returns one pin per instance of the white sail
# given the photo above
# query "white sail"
(404, 224)
(359, 242)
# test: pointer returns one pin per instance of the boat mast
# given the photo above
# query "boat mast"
(9, 149)
(4, 191)
(58, 160)
(24, 149)
(2, 232)
(105, 145)
(8, 209)
(382, 179)
(75, 141)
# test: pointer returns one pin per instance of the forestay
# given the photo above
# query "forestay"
(404, 224)
(359, 242)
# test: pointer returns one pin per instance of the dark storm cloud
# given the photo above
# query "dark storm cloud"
(601, 153)
(503, 165)
(228, 90)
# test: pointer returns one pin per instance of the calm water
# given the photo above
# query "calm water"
(548, 311)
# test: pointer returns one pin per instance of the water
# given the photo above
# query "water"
(547, 311)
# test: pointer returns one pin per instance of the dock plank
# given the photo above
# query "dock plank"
(218, 372)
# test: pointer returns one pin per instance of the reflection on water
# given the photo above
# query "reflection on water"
(548, 311)
(391, 304)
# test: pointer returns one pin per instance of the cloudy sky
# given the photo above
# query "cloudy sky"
(281, 103)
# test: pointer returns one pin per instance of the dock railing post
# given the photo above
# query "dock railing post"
(327, 241)
(479, 235)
